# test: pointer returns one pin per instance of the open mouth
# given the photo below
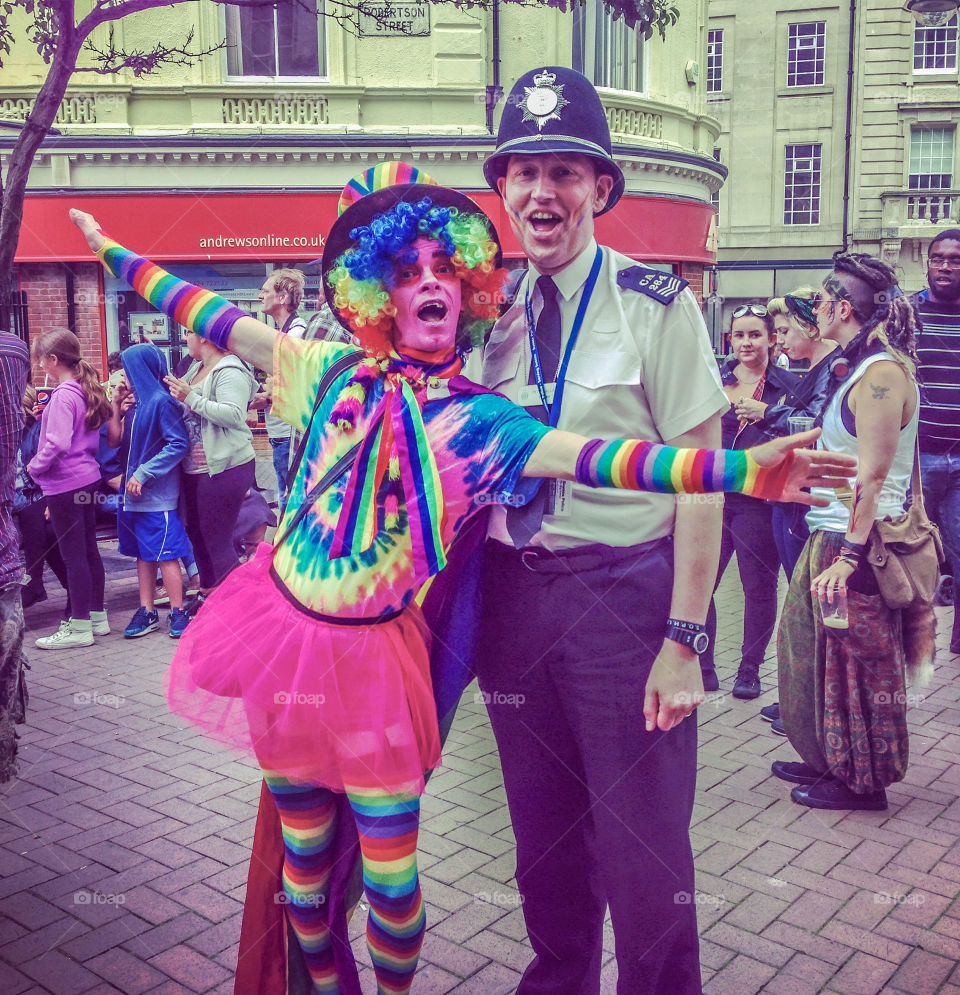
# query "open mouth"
(432, 312)
(544, 221)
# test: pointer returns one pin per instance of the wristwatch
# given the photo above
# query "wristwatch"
(688, 634)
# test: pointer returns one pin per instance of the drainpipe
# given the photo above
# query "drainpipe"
(494, 92)
(848, 135)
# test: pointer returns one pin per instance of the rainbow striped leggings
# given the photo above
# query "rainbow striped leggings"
(387, 826)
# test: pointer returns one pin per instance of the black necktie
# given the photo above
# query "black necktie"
(524, 523)
(547, 333)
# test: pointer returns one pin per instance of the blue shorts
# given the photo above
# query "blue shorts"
(153, 536)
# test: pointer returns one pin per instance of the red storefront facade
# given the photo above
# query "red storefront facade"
(248, 232)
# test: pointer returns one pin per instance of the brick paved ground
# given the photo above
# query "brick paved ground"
(123, 846)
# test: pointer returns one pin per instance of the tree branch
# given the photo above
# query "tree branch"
(111, 60)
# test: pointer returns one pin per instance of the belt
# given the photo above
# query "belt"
(580, 558)
(332, 619)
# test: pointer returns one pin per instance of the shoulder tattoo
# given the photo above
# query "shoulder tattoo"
(879, 393)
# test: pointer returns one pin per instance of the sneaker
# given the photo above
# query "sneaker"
(179, 620)
(101, 626)
(192, 605)
(747, 685)
(72, 632)
(143, 621)
(943, 596)
(770, 713)
(161, 597)
(777, 727)
(29, 597)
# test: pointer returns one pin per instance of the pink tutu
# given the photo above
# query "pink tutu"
(342, 706)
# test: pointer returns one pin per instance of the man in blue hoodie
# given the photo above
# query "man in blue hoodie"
(148, 525)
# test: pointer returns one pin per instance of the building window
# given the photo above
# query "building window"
(931, 158)
(801, 189)
(806, 48)
(714, 61)
(282, 42)
(606, 51)
(935, 49)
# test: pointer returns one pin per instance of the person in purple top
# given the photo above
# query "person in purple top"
(67, 471)
(14, 367)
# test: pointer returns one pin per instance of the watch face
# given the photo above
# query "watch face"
(700, 643)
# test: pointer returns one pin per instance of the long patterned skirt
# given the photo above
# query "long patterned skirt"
(843, 698)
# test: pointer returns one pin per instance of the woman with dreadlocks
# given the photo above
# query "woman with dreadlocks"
(314, 656)
(842, 691)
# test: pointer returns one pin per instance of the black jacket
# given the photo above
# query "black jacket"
(807, 397)
(777, 387)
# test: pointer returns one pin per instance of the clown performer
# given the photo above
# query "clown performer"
(313, 656)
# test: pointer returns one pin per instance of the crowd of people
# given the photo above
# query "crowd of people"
(439, 443)
(168, 461)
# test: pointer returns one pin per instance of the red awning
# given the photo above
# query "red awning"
(275, 225)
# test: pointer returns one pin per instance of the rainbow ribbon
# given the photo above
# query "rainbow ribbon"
(397, 423)
(648, 466)
(202, 311)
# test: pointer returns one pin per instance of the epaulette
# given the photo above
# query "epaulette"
(662, 287)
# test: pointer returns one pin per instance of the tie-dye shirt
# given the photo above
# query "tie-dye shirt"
(481, 442)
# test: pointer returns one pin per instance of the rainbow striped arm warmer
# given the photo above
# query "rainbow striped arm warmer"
(648, 466)
(202, 311)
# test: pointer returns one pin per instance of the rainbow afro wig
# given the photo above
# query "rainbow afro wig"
(359, 279)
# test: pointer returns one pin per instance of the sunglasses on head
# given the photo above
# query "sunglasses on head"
(758, 310)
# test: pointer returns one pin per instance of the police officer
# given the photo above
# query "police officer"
(594, 601)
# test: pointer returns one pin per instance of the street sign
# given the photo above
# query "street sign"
(389, 20)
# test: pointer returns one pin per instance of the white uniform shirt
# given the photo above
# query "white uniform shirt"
(639, 370)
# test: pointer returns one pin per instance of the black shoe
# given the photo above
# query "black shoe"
(943, 596)
(747, 685)
(193, 604)
(710, 680)
(834, 795)
(796, 773)
(955, 647)
(29, 597)
(770, 713)
(776, 727)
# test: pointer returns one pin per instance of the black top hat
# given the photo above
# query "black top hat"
(554, 110)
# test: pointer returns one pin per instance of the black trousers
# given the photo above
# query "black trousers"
(212, 506)
(600, 808)
(39, 544)
(748, 532)
(73, 522)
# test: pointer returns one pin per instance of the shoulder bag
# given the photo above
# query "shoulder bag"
(906, 552)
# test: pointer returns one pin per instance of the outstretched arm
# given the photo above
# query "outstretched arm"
(777, 470)
(202, 311)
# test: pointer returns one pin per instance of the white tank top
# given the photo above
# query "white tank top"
(835, 517)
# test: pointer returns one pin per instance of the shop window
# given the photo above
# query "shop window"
(801, 195)
(714, 61)
(283, 42)
(606, 51)
(935, 49)
(806, 54)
